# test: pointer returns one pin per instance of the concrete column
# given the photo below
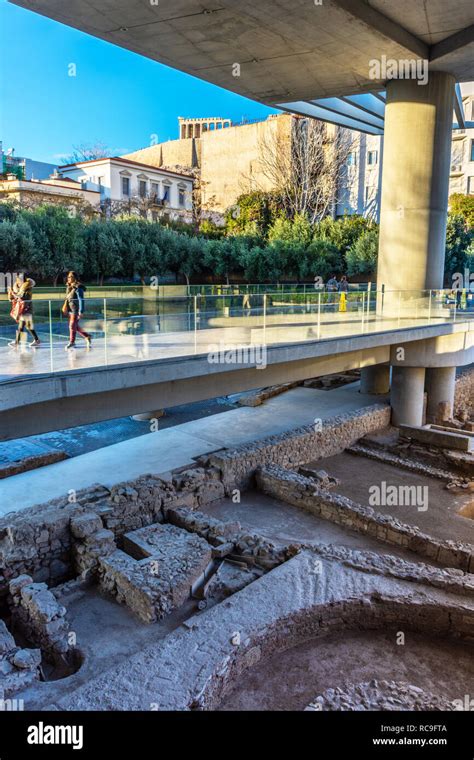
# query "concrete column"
(440, 387)
(415, 183)
(407, 395)
(375, 380)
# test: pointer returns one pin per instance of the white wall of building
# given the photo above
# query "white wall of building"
(360, 188)
(107, 175)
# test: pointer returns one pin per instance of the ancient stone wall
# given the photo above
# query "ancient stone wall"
(18, 667)
(39, 617)
(464, 394)
(302, 492)
(38, 541)
(297, 447)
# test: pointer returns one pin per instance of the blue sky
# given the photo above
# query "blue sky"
(116, 97)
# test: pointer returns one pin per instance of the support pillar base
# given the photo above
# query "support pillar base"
(407, 395)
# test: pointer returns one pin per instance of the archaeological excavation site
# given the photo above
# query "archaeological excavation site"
(326, 568)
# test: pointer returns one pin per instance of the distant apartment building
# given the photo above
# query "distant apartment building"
(23, 168)
(135, 186)
(361, 187)
(55, 190)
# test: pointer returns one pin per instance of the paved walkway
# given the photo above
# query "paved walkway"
(164, 450)
(119, 349)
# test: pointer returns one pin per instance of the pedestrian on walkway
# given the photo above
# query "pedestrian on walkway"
(331, 287)
(73, 306)
(343, 287)
(21, 295)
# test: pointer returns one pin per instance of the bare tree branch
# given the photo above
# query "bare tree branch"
(307, 167)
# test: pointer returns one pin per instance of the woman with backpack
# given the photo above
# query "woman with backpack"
(20, 296)
(74, 307)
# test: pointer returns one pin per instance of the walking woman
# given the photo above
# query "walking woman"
(21, 295)
(74, 307)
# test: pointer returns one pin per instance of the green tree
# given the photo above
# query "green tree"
(223, 257)
(464, 205)
(253, 213)
(343, 232)
(102, 250)
(187, 255)
(58, 243)
(16, 246)
(320, 259)
(361, 257)
(298, 230)
(459, 242)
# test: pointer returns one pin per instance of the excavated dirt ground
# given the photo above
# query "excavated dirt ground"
(283, 523)
(441, 519)
(292, 679)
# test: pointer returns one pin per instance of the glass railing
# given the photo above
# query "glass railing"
(167, 290)
(133, 329)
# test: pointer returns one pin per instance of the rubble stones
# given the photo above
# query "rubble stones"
(386, 456)
(40, 618)
(43, 540)
(158, 578)
(27, 659)
(7, 642)
(229, 579)
(85, 525)
(250, 547)
(301, 492)
(320, 476)
(464, 394)
(449, 579)
(18, 667)
(379, 695)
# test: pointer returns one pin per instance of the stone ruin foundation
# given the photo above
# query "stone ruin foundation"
(150, 546)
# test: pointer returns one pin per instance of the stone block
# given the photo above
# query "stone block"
(85, 525)
(27, 659)
(7, 642)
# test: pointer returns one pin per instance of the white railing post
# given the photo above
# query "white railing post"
(195, 324)
(429, 307)
(265, 319)
(319, 315)
(363, 310)
(105, 331)
(51, 359)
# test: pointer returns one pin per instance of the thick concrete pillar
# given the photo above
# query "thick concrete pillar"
(440, 387)
(407, 395)
(415, 183)
(375, 380)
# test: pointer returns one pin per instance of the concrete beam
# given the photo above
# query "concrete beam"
(458, 107)
(385, 26)
(64, 411)
(42, 388)
(456, 350)
(453, 43)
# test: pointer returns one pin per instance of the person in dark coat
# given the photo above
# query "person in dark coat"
(74, 307)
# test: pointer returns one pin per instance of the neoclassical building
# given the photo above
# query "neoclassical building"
(150, 190)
